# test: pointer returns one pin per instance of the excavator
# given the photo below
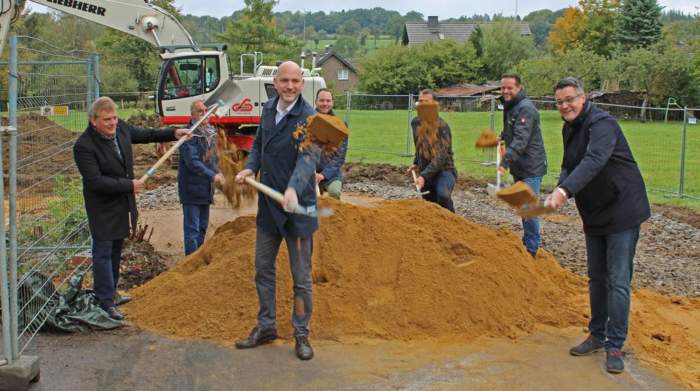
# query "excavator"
(188, 72)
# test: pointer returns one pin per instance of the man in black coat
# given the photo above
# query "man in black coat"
(599, 171)
(525, 156)
(103, 155)
(290, 170)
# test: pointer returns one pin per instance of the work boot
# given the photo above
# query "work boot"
(303, 348)
(590, 345)
(613, 361)
(114, 313)
(256, 338)
(121, 299)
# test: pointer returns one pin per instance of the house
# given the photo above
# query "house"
(338, 71)
(417, 33)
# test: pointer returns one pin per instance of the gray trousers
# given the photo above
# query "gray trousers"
(266, 248)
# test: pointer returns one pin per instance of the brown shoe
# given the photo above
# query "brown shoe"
(256, 338)
(303, 348)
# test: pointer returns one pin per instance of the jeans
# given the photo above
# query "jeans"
(531, 227)
(106, 256)
(266, 248)
(610, 267)
(195, 219)
(440, 188)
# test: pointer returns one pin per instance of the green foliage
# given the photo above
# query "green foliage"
(541, 23)
(598, 32)
(639, 24)
(346, 45)
(400, 70)
(503, 48)
(539, 75)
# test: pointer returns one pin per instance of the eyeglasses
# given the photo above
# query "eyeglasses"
(566, 101)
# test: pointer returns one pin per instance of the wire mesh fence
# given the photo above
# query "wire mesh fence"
(665, 146)
(48, 101)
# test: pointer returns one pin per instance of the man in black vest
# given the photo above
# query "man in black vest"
(103, 155)
(599, 171)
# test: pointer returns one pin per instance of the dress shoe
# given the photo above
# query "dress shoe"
(256, 338)
(303, 348)
(121, 299)
(114, 313)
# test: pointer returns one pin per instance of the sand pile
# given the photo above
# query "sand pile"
(403, 270)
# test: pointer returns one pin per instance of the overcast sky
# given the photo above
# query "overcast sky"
(442, 8)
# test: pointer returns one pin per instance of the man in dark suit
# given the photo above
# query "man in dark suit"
(600, 173)
(103, 155)
(290, 170)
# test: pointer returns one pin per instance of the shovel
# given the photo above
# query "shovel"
(220, 99)
(521, 197)
(492, 189)
(310, 211)
(415, 178)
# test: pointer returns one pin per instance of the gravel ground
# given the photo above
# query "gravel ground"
(667, 253)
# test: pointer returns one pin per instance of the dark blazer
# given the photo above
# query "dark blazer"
(196, 170)
(525, 156)
(107, 180)
(599, 170)
(281, 165)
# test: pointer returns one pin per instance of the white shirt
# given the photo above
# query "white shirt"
(281, 113)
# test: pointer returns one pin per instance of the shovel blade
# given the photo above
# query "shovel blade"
(224, 96)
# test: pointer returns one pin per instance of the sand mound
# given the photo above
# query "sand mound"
(402, 270)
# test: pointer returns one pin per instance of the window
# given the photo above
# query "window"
(343, 74)
(191, 76)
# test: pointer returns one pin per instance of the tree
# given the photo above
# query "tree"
(567, 31)
(598, 32)
(503, 47)
(399, 69)
(351, 27)
(540, 24)
(639, 24)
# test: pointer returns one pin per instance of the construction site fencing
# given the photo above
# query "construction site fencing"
(665, 141)
(44, 221)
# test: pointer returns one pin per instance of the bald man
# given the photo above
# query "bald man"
(285, 168)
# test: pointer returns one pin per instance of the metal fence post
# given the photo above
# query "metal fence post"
(96, 71)
(492, 114)
(14, 334)
(408, 127)
(681, 181)
(90, 81)
(348, 106)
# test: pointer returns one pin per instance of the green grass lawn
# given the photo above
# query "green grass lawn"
(381, 137)
(370, 45)
(77, 120)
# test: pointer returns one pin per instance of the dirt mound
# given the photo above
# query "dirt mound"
(403, 270)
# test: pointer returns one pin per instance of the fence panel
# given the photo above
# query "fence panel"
(47, 224)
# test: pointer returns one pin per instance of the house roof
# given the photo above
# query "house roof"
(331, 53)
(467, 89)
(416, 33)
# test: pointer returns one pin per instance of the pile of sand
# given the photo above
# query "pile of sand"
(402, 270)
(406, 270)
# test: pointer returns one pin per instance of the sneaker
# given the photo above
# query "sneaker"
(303, 348)
(590, 345)
(614, 362)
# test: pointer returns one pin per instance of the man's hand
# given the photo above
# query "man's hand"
(180, 133)
(290, 201)
(557, 199)
(502, 170)
(240, 177)
(220, 180)
(138, 185)
(319, 178)
(420, 182)
(413, 167)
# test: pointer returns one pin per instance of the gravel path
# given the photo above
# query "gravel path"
(668, 252)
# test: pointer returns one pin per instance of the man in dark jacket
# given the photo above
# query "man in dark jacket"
(196, 175)
(285, 167)
(103, 155)
(329, 175)
(437, 172)
(524, 156)
(599, 171)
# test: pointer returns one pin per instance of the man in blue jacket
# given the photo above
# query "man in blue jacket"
(285, 167)
(525, 156)
(329, 175)
(599, 171)
(197, 174)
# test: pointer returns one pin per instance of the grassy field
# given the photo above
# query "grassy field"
(77, 120)
(370, 45)
(381, 137)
